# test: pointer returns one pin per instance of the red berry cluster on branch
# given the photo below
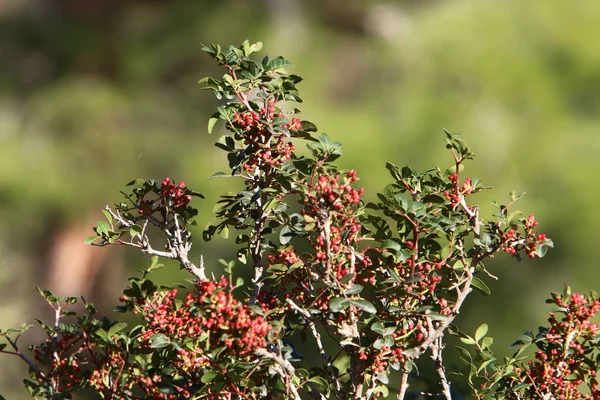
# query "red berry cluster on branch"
(294, 125)
(211, 310)
(334, 202)
(566, 359)
(171, 196)
(455, 193)
(65, 372)
(174, 195)
(265, 147)
(512, 243)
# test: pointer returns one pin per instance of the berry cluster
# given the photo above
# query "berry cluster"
(64, 372)
(174, 195)
(294, 125)
(454, 195)
(109, 367)
(566, 356)
(211, 310)
(295, 284)
(334, 199)
(170, 196)
(263, 147)
(247, 121)
(512, 243)
(207, 319)
(275, 154)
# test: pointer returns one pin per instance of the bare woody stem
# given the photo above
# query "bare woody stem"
(256, 246)
(403, 383)
(436, 355)
(285, 369)
(317, 336)
(178, 245)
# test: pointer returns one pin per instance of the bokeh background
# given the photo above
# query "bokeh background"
(94, 93)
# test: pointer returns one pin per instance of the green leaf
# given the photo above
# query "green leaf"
(102, 228)
(91, 239)
(108, 216)
(391, 244)
(354, 289)
(467, 340)
(241, 255)
(346, 278)
(255, 47)
(378, 327)
(320, 382)
(159, 340)
(308, 126)
(101, 333)
(277, 63)
(485, 364)
(364, 305)
(116, 328)
(220, 175)
(487, 342)
(481, 286)
(209, 376)
(211, 124)
(382, 377)
(466, 355)
(224, 232)
(135, 230)
(337, 304)
(136, 182)
(395, 276)
(383, 390)
(520, 386)
(480, 332)
(285, 235)
(385, 341)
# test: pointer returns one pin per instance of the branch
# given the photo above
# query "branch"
(403, 384)
(415, 353)
(317, 336)
(356, 373)
(436, 355)
(178, 244)
(23, 357)
(284, 368)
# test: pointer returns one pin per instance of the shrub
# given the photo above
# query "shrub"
(382, 281)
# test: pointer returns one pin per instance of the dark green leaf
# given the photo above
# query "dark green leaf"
(337, 304)
(481, 286)
(209, 376)
(364, 305)
(116, 328)
(354, 289)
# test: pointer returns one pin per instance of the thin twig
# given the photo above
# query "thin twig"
(284, 368)
(317, 336)
(23, 357)
(436, 355)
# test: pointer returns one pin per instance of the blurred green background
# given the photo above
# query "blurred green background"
(94, 93)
